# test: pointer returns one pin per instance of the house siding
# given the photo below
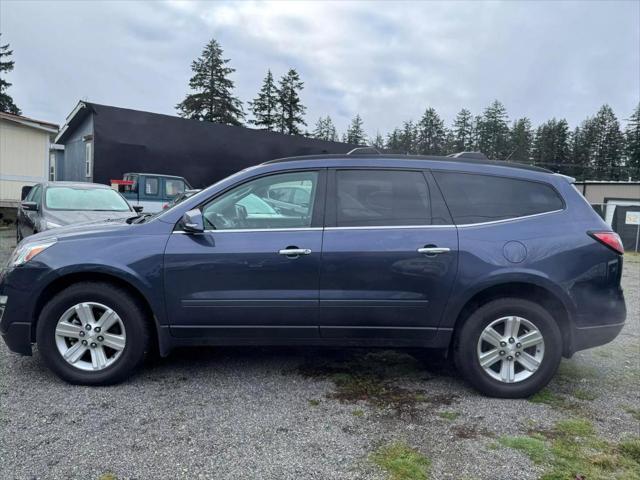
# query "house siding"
(72, 166)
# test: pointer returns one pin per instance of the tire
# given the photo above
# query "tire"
(130, 328)
(468, 348)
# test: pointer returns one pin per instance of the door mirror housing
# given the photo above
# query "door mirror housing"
(192, 221)
(25, 191)
(138, 208)
(30, 206)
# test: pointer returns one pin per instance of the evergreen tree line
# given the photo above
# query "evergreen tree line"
(597, 149)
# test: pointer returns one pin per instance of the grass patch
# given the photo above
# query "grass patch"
(449, 415)
(371, 377)
(634, 412)
(402, 462)
(572, 450)
(107, 476)
(314, 402)
(631, 449)
(534, 448)
(577, 427)
(582, 394)
(554, 400)
(358, 412)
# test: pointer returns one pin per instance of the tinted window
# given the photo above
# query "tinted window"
(381, 198)
(262, 204)
(483, 198)
(151, 186)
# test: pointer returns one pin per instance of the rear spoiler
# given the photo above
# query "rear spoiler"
(567, 178)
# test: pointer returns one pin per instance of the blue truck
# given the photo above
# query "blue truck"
(151, 191)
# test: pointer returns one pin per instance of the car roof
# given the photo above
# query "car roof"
(146, 174)
(426, 159)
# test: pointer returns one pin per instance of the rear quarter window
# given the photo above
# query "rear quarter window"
(474, 198)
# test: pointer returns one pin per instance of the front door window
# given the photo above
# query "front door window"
(263, 204)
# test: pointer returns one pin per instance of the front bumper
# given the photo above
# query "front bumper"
(20, 298)
(18, 337)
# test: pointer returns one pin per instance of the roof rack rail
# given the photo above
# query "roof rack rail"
(476, 155)
(364, 151)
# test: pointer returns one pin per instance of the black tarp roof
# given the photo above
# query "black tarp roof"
(128, 140)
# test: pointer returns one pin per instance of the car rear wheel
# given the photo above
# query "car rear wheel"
(508, 348)
(92, 334)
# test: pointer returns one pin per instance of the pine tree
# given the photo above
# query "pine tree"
(582, 146)
(430, 133)
(6, 102)
(355, 133)
(462, 132)
(213, 100)
(265, 106)
(378, 141)
(393, 140)
(632, 145)
(551, 147)
(607, 150)
(325, 130)
(291, 116)
(493, 132)
(407, 140)
(521, 140)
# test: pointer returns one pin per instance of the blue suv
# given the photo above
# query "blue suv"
(505, 267)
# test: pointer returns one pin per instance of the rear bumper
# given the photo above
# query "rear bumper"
(588, 337)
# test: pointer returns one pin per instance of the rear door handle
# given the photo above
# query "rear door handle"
(294, 252)
(433, 250)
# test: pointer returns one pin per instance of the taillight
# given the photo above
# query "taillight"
(609, 239)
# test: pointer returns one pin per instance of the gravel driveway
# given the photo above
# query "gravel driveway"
(285, 413)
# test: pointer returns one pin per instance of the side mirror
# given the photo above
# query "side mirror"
(138, 208)
(31, 206)
(192, 221)
(25, 191)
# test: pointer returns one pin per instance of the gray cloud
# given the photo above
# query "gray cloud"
(386, 61)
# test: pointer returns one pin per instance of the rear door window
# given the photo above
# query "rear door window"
(381, 198)
(474, 198)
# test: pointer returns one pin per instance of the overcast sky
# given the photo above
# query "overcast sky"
(386, 61)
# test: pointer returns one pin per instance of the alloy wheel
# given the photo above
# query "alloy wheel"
(510, 349)
(90, 336)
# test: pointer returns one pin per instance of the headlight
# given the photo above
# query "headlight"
(26, 251)
(50, 224)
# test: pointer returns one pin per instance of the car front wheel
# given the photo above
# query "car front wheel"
(92, 334)
(508, 348)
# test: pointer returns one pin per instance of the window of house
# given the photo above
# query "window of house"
(88, 159)
(52, 167)
(476, 198)
(381, 198)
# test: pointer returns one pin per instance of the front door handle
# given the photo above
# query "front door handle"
(294, 252)
(433, 250)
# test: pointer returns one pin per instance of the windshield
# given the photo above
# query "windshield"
(82, 198)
